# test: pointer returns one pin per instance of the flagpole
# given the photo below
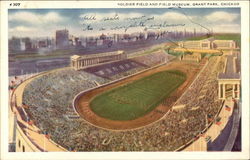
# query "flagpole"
(44, 143)
(27, 123)
(200, 144)
(206, 121)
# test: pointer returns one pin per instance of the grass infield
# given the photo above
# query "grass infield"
(137, 98)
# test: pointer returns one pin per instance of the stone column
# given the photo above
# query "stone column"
(238, 89)
(219, 90)
(224, 91)
(234, 91)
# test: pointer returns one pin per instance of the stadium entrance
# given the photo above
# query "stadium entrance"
(229, 89)
(229, 81)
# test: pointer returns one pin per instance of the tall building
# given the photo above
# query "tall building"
(19, 44)
(62, 39)
(14, 44)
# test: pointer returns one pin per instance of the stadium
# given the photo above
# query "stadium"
(117, 102)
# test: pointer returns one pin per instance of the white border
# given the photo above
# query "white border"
(121, 155)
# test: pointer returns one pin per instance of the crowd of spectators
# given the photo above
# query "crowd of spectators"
(154, 58)
(120, 69)
(50, 96)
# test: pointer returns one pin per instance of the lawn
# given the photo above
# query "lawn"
(137, 98)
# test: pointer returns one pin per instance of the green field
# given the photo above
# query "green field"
(137, 98)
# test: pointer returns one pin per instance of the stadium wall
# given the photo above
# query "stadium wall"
(23, 143)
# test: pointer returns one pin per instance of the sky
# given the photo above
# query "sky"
(90, 22)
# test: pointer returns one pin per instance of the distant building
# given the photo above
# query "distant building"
(151, 35)
(141, 36)
(78, 42)
(74, 41)
(103, 37)
(19, 44)
(42, 44)
(99, 42)
(91, 43)
(14, 44)
(49, 43)
(62, 39)
(27, 44)
(202, 44)
(224, 44)
(209, 43)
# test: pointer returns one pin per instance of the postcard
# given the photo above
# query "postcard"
(125, 80)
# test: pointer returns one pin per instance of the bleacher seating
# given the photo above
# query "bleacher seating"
(49, 98)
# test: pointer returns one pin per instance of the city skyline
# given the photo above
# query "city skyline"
(90, 22)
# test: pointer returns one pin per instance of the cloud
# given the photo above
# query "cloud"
(36, 19)
(45, 24)
(22, 29)
(174, 16)
(227, 28)
(221, 16)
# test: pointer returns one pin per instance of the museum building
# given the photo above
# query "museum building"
(209, 43)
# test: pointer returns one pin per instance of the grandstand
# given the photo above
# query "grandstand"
(118, 69)
(114, 68)
(47, 100)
